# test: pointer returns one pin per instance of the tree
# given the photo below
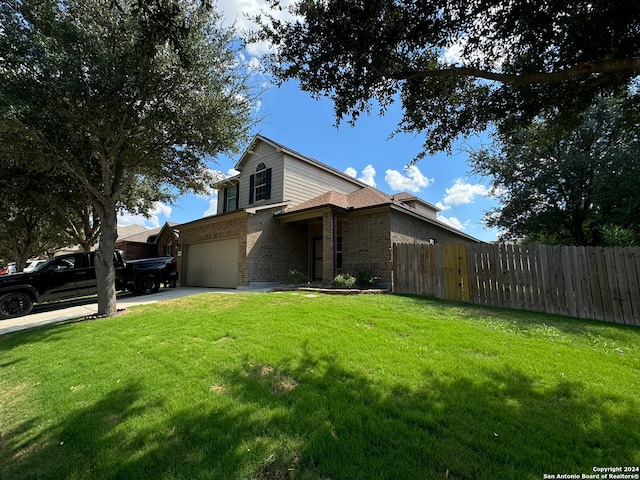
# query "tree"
(517, 59)
(25, 233)
(26, 230)
(47, 197)
(125, 97)
(578, 188)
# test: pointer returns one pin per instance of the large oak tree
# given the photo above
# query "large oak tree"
(566, 188)
(515, 59)
(126, 97)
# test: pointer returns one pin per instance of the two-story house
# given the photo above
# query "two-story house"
(285, 211)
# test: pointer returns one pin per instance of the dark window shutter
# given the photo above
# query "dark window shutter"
(252, 183)
(224, 201)
(267, 195)
(237, 196)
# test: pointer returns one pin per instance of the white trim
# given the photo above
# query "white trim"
(254, 210)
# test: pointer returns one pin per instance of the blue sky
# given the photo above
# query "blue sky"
(292, 118)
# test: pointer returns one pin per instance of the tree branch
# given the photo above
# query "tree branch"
(621, 65)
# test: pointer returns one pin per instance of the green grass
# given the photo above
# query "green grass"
(289, 385)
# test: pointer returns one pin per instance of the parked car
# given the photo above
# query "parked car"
(32, 264)
(10, 268)
(73, 275)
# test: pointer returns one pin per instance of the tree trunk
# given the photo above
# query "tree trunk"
(105, 270)
(21, 260)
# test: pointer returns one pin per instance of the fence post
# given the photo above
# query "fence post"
(592, 282)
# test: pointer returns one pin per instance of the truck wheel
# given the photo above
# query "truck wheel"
(147, 284)
(13, 305)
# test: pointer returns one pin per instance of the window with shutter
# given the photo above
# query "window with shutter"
(231, 198)
(260, 186)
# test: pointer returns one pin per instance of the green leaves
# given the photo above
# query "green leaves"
(114, 91)
(565, 187)
(458, 66)
(126, 97)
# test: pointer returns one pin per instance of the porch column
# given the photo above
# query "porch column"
(328, 247)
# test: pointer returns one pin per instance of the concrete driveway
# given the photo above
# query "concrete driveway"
(57, 312)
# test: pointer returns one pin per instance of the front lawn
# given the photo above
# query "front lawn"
(300, 386)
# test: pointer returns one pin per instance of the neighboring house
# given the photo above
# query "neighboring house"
(285, 211)
(141, 242)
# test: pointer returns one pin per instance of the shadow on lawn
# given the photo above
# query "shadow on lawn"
(522, 321)
(312, 419)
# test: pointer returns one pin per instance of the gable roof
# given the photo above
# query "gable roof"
(130, 230)
(292, 153)
(363, 198)
(406, 197)
(141, 234)
(369, 197)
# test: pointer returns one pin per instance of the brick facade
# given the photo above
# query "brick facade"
(167, 243)
(217, 228)
(269, 249)
(136, 250)
(366, 246)
(273, 249)
(408, 229)
(317, 220)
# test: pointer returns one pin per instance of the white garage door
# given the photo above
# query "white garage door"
(213, 264)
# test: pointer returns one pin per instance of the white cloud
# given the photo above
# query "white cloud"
(453, 222)
(213, 207)
(214, 176)
(453, 53)
(235, 12)
(240, 13)
(368, 174)
(411, 181)
(160, 210)
(462, 193)
(212, 195)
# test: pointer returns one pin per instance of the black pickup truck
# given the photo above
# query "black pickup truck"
(73, 275)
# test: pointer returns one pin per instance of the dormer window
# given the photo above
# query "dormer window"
(260, 184)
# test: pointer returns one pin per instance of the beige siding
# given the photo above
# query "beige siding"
(272, 159)
(305, 181)
(220, 201)
(292, 179)
(424, 210)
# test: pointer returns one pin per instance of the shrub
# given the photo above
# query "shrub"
(616, 236)
(366, 280)
(295, 277)
(344, 280)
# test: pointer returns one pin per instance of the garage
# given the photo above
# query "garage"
(213, 264)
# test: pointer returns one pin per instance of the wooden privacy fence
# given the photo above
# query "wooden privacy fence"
(600, 283)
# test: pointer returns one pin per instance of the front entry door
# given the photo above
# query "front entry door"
(317, 258)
